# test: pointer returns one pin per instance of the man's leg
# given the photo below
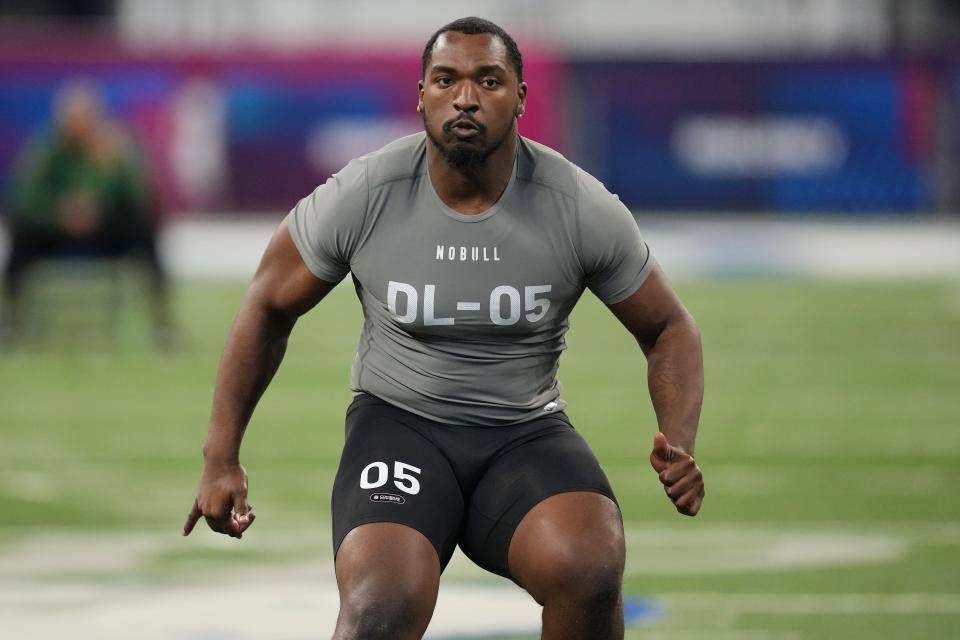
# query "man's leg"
(139, 239)
(544, 515)
(568, 552)
(397, 508)
(388, 575)
(27, 245)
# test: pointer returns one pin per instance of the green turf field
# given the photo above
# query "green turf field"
(830, 444)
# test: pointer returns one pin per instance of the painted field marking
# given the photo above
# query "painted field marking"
(713, 634)
(712, 550)
(702, 550)
(53, 585)
(269, 604)
(815, 603)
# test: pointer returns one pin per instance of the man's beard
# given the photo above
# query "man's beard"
(463, 156)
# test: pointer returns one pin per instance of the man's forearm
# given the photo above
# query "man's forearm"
(254, 350)
(675, 381)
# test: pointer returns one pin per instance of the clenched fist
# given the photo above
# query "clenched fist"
(680, 475)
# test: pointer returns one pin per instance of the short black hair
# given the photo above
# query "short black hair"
(474, 26)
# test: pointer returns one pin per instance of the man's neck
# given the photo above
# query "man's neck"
(476, 191)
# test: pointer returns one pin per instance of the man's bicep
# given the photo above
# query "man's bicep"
(283, 282)
(649, 309)
(327, 226)
(613, 254)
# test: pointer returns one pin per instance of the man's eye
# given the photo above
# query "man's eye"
(490, 83)
(444, 82)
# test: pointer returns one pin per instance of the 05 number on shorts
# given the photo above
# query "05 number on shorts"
(376, 474)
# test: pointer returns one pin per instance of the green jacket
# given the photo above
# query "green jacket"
(50, 169)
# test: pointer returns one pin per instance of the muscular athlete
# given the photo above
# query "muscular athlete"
(468, 246)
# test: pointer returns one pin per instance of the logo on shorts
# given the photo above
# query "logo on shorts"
(386, 497)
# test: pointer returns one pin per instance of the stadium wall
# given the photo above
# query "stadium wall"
(248, 130)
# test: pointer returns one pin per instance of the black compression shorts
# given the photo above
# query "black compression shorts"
(455, 484)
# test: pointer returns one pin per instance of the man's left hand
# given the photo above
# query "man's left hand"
(680, 475)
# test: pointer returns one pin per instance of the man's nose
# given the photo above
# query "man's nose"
(466, 98)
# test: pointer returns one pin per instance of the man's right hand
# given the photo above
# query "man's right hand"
(222, 501)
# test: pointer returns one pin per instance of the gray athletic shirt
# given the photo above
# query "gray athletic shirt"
(465, 315)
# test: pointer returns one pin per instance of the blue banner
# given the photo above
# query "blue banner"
(791, 136)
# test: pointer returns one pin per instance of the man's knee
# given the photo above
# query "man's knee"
(392, 608)
(388, 577)
(591, 576)
(571, 557)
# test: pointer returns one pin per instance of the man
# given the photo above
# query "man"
(468, 246)
(80, 189)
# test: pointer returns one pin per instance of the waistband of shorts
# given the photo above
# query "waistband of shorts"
(363, 399)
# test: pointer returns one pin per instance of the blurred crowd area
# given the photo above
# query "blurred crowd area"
(767, 106)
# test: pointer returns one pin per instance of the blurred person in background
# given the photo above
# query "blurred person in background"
(81, 190)
(457, 434)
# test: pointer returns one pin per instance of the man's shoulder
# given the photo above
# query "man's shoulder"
(401, 159)
(548, 168)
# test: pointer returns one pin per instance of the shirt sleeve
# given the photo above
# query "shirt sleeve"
(616, 260)
(326, 226)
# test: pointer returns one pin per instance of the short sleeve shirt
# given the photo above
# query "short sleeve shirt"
(465, 315)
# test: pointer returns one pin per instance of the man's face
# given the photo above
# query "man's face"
(79, 116)
(470, 97)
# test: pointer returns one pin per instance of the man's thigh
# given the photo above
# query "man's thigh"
(549, 460)
(391, 471)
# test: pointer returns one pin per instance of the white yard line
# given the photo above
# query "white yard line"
(815, 603)
(712, 634)
(713, 550)
(92, 586)
(266, 604)
(95, 587)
